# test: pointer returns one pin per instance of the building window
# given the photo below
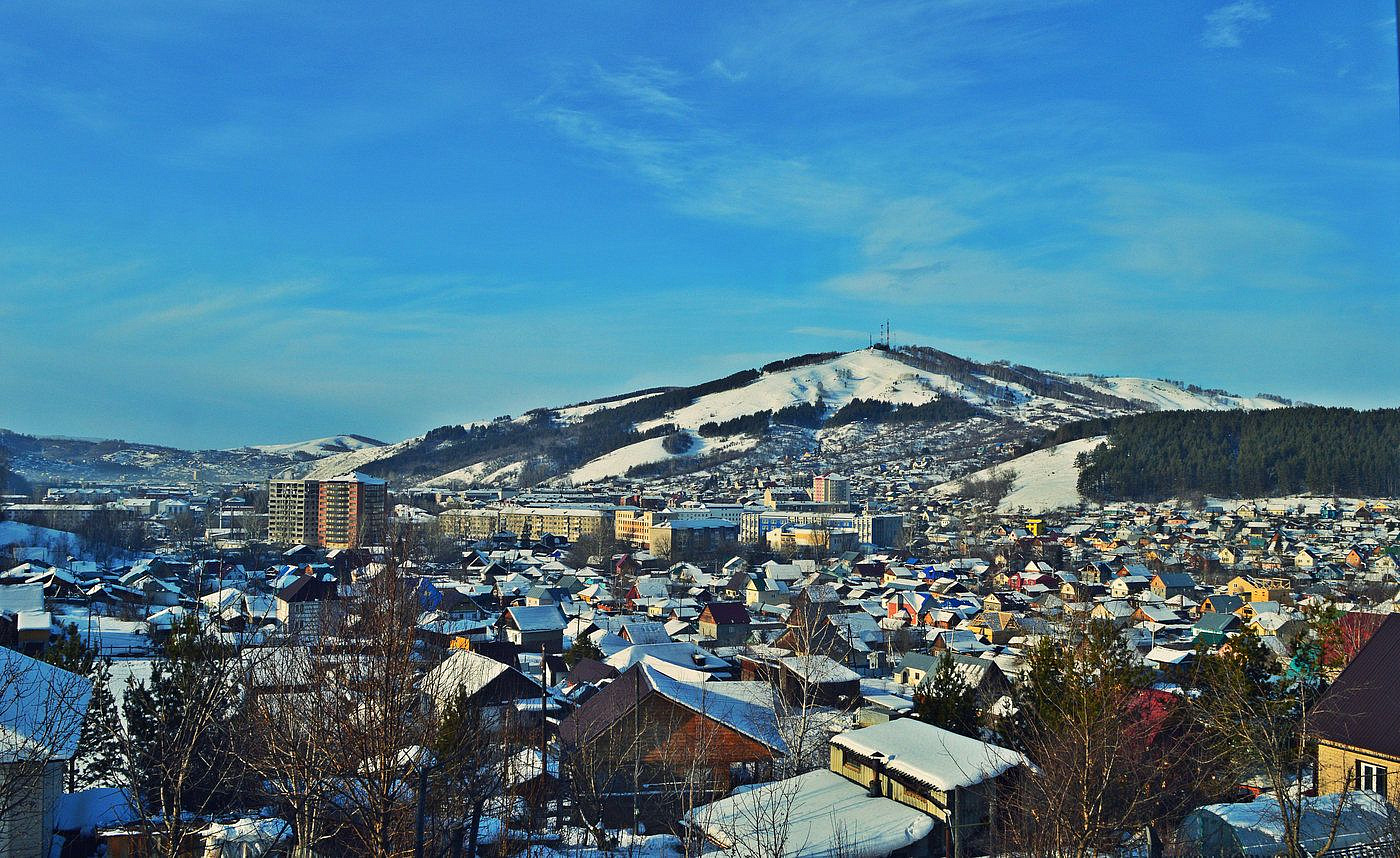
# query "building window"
(1370, 777)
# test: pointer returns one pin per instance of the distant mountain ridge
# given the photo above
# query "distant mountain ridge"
(318, 447)
(855, 408)
(759, 415)
(48, 459)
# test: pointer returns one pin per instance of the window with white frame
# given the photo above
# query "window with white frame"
(1370, 777)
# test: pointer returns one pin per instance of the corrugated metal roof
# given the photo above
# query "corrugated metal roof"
(1362, 708)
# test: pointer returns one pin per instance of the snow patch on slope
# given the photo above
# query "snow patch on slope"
(1045, 480)
(319, 447)
(616, 463)
(340, 464)
(1167, 396)
(578, 412)
(864, 374)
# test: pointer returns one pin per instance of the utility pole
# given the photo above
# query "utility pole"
(420, 820)
(542, 805)
(636, 745)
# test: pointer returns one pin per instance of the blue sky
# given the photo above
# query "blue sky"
(257, 221)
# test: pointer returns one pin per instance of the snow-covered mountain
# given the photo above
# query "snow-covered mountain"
(848, 411)
(609, 438)
(317, 448)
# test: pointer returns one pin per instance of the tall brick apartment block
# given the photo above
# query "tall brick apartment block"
(343, 512)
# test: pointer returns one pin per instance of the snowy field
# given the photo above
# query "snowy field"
(1045, 480)
(1168, 396)
(53, 545)
(616, 463)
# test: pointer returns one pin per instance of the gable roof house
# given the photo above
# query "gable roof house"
(981, 674)
(42, 709)
(898, 788)
(943, 774)
(725, 623)
(484, 681)
(533, 627)
(1213, 629)
(1168, 584)
(1357, 721)
(718, 728)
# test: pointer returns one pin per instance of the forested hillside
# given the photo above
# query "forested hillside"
(1240, 453)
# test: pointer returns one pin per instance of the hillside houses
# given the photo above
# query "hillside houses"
(592, 651)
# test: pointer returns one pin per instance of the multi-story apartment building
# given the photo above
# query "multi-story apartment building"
(684, 537)
(291, 511)
(571, 521)
(470, 524)
(831, 488)
(351, 511)
(63, 516)
(881, 529)
(344, 512)
(632, 524)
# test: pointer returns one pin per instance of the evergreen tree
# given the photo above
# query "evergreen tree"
(581, 649)
(98, 757)
(181, 732)
(99, 761)
(71, 652)
(946, 699)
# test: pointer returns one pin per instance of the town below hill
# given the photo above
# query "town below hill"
(800, 667)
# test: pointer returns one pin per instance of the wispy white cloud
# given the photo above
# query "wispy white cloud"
(645, 85)
(885, 48)
(1047, 222)
(722, 70)
(1226, 25)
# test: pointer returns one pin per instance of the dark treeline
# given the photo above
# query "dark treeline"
(940, 410)
(805, 414)
(799, 360)
(1240, 453)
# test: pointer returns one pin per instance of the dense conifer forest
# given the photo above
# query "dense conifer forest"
(1316, 450)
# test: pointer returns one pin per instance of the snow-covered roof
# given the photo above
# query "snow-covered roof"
(1334, 821)
(463, 671)
(825, 814)
(89, 809)
(33, 621)
(537, 618)
(819, 668)
(747, 707)
(935, 756)
(41, 709)
(683, 653)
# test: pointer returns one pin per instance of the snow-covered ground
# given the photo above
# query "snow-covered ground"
(577, 412)
(1168, 396)
(856, 375)
(341, 464)
(616, 463)
(48, 542)
(1046, 479)
(320, 446)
